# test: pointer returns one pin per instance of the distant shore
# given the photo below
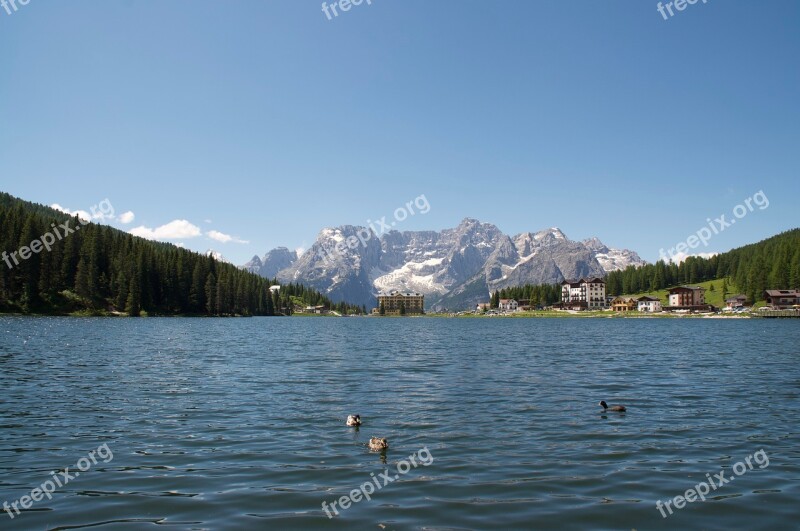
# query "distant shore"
(567, 314)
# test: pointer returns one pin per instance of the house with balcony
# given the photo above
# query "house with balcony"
(648, 304)
(583, 294)
(526, 305)
(735, 302)
(508, 305)
(624, 304)
(782, 299)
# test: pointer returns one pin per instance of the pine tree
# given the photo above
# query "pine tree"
(794, 271)
(197, 291)
(82, 280)
(28, 269)
(93, 263)
(276, 302)
(133, 306)
(270, 306)
(211, 294)
(780, 272)
(123, 288)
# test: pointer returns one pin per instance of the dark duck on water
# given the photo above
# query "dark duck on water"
(612, 408)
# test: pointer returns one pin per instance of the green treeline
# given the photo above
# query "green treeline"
(773, 263)
(96, 268)
(538, 295)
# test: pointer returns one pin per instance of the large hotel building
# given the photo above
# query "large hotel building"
(414, 303)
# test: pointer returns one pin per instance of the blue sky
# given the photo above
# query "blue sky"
(264, 121)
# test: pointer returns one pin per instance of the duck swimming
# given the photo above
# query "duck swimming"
(378, 443)
(612, 408)
(354, 420)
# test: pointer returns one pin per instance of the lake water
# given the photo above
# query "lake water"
(240, 423)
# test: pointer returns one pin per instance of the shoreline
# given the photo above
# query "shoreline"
(518, 315)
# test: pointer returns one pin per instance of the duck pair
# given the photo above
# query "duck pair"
(375, 443)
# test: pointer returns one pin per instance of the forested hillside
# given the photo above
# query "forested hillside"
(54, 263)
(773, 263)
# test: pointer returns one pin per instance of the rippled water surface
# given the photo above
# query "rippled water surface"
(239, 423)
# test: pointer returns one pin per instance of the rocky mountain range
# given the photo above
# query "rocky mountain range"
(274, 261)
(455, 268)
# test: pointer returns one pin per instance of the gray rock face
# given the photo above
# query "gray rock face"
(336, 267)
(455, 268)
(612, 259)
(274, 261)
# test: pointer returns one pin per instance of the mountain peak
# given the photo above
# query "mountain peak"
(217, 256)
(277, 259)
(553, 233)
(595, 244)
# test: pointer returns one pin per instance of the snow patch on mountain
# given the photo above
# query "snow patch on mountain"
(412, 276)
(613, 259)
(216, 255)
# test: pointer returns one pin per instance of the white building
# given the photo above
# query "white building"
(508, 305)
(586, 293)
(648, 304)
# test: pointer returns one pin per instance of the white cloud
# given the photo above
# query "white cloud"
(224, 238)
(103, 212)
(126, 217)
(679, 258)
(300, 251)
(174, 230)
(80, 213)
